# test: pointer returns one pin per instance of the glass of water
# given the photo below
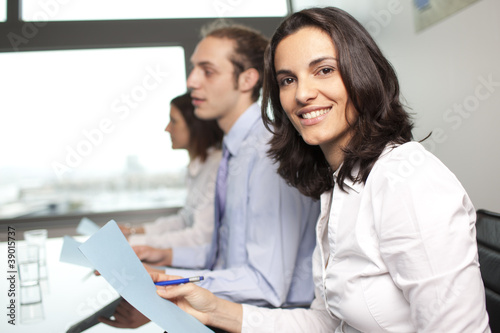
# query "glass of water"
(28, 265)
(38, 238)
(30, 293)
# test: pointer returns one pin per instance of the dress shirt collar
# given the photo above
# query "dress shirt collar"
(358, 186)
(241, 128)
(355, 186)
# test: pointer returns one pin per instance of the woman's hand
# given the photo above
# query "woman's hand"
(191, 298)
(152, 270)
(201, 303)
(151, 255)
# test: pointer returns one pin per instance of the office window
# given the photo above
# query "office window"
(83, 130)
(81, 10)
(3, 10)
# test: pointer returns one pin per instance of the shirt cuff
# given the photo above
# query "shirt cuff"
(186, 273)
(257, 319)
(189, 257)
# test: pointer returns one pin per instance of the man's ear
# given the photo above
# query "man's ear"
(248, 79)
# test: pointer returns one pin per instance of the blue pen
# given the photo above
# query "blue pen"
(179, 281)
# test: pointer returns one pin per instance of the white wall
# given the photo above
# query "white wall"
(443, 72)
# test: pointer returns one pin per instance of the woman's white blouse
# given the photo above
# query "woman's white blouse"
(397, 254)
(194, 223)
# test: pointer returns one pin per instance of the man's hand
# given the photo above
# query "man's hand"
(125, 316)
(153, 256)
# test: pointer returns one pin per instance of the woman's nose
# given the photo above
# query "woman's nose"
(306, 91)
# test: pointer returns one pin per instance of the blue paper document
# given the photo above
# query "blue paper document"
(70, 253)
(112, 256)
(87, 227)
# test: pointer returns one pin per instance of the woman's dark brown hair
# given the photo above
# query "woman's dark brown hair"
(203, 134)
(373, 90)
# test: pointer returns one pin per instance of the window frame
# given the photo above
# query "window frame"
(72, 35)
(64, 35)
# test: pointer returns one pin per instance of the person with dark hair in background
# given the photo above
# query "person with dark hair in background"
(193, 224)
(396, 248)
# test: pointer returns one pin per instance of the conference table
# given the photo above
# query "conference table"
(70, 293)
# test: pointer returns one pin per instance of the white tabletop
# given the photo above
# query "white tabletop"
(70, 293)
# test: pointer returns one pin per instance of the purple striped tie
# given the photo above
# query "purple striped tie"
(220, 185)
(220, 204)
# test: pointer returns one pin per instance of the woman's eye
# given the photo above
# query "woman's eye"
(325, 71)
(287, 81)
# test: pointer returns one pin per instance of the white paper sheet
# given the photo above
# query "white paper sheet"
(87, 227)
(112, 256)
(70, 253)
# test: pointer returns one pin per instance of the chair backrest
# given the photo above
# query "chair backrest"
(488, 243)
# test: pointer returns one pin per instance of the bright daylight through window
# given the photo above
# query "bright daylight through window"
(81, 10)
(85, 131)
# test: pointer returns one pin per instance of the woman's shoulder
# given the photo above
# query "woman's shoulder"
(394, 151)
(214, 154)
(408, 155)
(409, 163)
(197, 166)
(213, 159)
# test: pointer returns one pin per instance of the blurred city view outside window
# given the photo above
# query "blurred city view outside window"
(82, 10)
(83, 131)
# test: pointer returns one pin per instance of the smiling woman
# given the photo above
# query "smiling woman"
(313, 75)
(396, 248)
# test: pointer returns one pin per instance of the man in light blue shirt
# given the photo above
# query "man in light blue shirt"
(266, 235)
